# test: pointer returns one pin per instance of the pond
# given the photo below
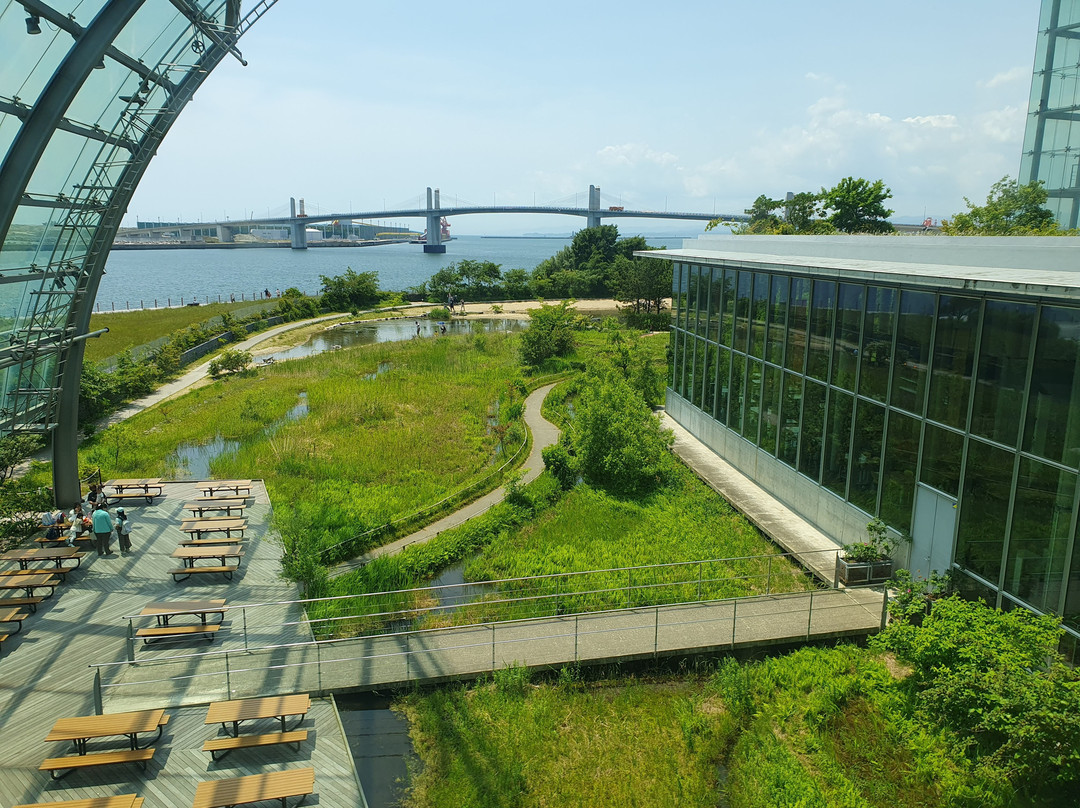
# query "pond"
(349, 335)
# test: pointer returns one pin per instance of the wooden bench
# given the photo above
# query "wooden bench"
(255, 788)
(210, 542)
(127, 496)
(53, 765)
(61, 571)
(118, 801)
(31, 602)
(63, 538)
(226, 745)
(180, 573)
(173, 632)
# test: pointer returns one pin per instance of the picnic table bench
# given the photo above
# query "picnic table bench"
(211, 541)
(255, 788)
(30, 583)
(236, 486)
(81, 729)
(31, 602)
(235, 711)
(62, 538)
(58, 555)
(166, 610)
(10, 615)
(200, 506)
(189, 555)
(143, 488)
(117, 801)
(216, 524)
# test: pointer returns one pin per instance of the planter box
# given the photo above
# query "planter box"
(852, 573)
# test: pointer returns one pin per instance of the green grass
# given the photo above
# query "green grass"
(133, 328)
(371, 450)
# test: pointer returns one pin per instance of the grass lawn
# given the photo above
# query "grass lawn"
(129, 329)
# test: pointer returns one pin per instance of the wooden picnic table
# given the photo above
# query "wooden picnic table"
(13, 616)
(166, 610)
(116, 801)
(217, 524)
(29, 583)
(237, 710)
(189, 555)
(236, 486)
(55, 554)
(81, 729)
(143, 484)
(201, 506)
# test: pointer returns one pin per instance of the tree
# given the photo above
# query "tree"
(644, 283)
(230, 361)
(353, 290)
(593, 243)
(14, 449)
(619, 443)
(858, 206)
(550, 333)
(1011, 209)
(800, 210)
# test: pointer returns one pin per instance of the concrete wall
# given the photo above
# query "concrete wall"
(833, 516)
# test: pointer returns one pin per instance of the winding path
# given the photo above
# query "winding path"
(544, 434)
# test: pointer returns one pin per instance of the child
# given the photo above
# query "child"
(123, 530)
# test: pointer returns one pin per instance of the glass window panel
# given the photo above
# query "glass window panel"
(874, 358)
(692, 299)
(679, 279)
(971, 589)
(984, 509)
(813, 423)
(821, 330)
(708, 379)
(849, 318)
(693, 376)
(770, 409)
(753, 401)
(686, 359)
(1002, 373)
(704, 282)
(742, 310)
(715, 292)
(913, 329)
(758, 307)
(1039, 539)
(723, 384)
(1053, 414)
(942, 452)
(838, 442)
(674, 359)
(795, 358)
(790, 414)
(735, 405)
(866, 451)
(774, 340)
(898, 472)
(954, 359)
(727, 322)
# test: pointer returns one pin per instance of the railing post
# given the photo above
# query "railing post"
(318, 664)
(768, 580)
(228, 678)
(699, 580)
(734, 620)
(575, 637)
(98, 709)
(244, 613)
(493, 647)
(885, 608)
(629, 597)
(810, 614)
(408, 657)
(130, 643)
(558, 595)
(836, 572)
(656, 633)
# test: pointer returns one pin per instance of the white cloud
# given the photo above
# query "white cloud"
(935, 121)
(1007, 77)
(635, 154)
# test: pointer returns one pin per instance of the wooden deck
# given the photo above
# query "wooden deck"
(44, 674)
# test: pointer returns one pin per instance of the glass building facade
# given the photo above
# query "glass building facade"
(949, 408)
(88, 89)
(1051, 150)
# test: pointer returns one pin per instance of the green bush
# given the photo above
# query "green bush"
(230, 361)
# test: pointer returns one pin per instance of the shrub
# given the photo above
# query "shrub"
(560, 465)
(230, 361)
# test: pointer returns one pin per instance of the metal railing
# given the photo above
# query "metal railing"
(455, 652)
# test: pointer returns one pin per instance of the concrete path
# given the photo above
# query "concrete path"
(544, 434)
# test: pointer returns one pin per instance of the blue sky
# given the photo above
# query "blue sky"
(685, 106)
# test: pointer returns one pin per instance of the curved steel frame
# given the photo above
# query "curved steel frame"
(158, 53)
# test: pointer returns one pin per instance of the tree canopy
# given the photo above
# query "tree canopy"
(858, 206)
(353, 290)
(1011, 209)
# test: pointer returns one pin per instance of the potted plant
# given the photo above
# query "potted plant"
(869, 561)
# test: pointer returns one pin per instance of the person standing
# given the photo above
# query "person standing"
(123, 530)
(103, 528)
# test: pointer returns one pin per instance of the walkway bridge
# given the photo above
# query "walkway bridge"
(423, 636)
(433, 214)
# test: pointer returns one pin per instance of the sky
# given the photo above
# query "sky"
(685, 106)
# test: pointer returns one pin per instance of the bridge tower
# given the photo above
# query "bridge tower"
(298, 225)
(434, 224)
(593, 219)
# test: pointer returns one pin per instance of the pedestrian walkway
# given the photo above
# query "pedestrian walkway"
(544, 434)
